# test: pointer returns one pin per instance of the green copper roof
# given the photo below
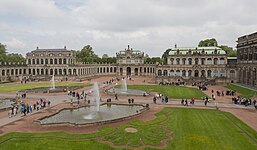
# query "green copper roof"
(207, 50)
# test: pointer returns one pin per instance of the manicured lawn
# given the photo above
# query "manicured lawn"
(9, 87)
(177, 92)
(192, 129)
(244, 92)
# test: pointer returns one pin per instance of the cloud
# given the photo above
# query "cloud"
(110, 25)
(14, 43)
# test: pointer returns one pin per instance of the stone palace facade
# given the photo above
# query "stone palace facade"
(193, 64)
(247, 59)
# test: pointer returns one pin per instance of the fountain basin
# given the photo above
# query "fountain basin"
(128, 92)
(88, 115)
(6, 103)
(51, 90)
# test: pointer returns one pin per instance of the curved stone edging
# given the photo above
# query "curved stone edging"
(95, 123)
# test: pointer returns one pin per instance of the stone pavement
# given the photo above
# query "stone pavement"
(57, 99)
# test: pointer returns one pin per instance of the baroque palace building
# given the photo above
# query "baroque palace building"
(198, 64)
(247, 59)
(195, 64)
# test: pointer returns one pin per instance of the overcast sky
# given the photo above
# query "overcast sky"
(110, 25)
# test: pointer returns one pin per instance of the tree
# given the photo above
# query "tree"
(229, 50)
(87, 51)
(208, 43)
(86, 54)
(13, 57)
(105, 56)
(165, 56)
(2, 49)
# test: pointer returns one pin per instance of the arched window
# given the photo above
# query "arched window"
(196, 61)
(183, 61)
(42, 61)
(51, 61)
(222, 73)
(172, 73)
(159, 73)
(222, 61)
(29, 61)
(178, 73)
(46, 61)
(203, 61)
(37, 61)
(60, 61)
(64, 61)
(165, 73)
(209, 61)
(178, 61)
(33, 61)
(189, 73)
(172, 61)
(55, 61)
(196, 73)
(203, 73)
(215, 61)
(184, 73)
(215, 73)
(190, 61)
(209, 73)
(232, 74)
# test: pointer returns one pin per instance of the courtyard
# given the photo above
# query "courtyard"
(219, 125)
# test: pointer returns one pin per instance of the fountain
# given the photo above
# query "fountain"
(6, 103)
(96, 96)
(53, 83)
(125, 91)
(124, 87)
(95, 114)
(88, 115)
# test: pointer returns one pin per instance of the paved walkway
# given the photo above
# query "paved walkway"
(55, 100)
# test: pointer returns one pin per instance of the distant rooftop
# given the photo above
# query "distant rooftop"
(51, 50)
(208, 50)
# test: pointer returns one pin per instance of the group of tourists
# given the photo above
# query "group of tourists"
(164, 99)
(184, 102)
(244, 101)
(172, 83)
(109, 81)
(130, 100)
(78, 96)
(26, 108)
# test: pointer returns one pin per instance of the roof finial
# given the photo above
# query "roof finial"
(175, 45)
(64, 46)
(37, 47)
(128, 47)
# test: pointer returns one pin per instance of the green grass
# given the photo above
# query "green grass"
(177, 92)
(11, 87)
(244, 92)
(192, 129)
